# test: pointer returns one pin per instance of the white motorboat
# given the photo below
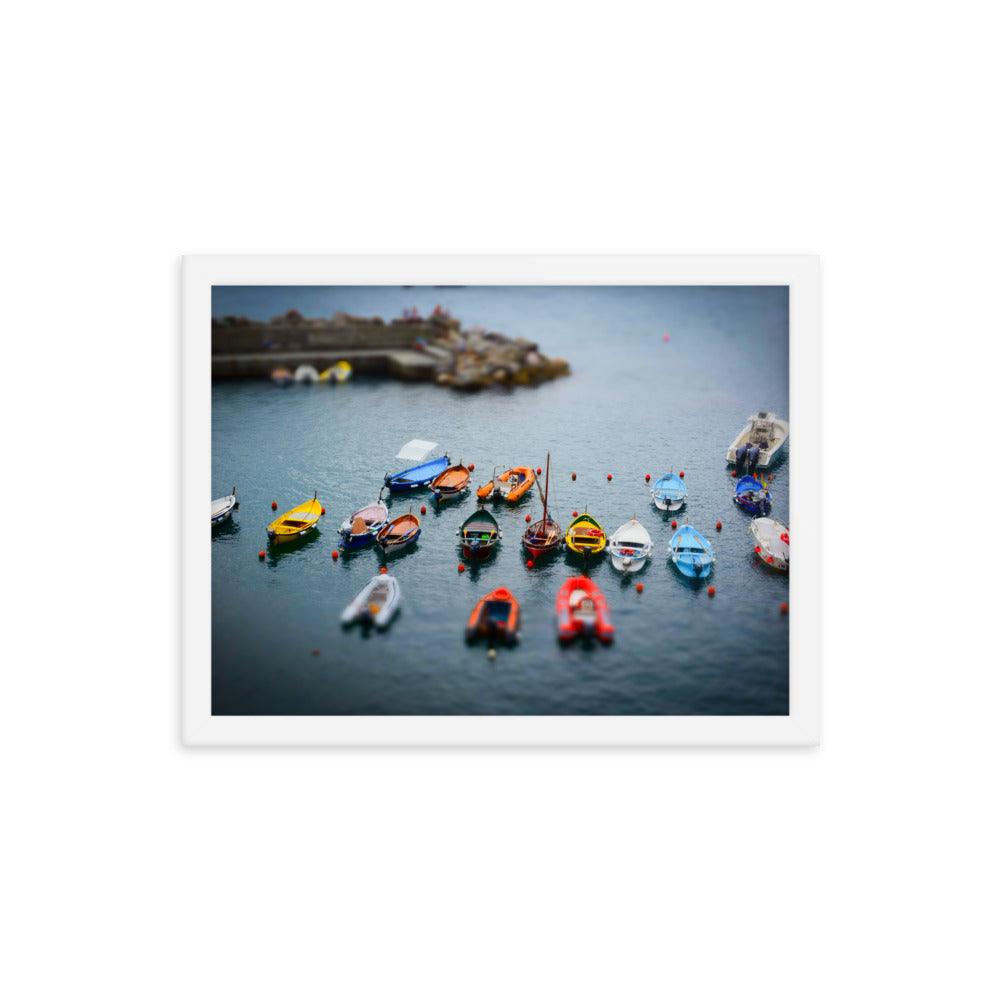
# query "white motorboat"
(770, 542)
(759, 443)
(375, 604)
(630, 546)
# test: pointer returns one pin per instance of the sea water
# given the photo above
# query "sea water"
(661, 377)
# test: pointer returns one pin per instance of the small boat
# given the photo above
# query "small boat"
(751, 494)
(450, 483)
(630, 546)
(306, 374)
(299, 521)
(691, 553)
(480, 534)
(543, 536)
(770, 542)
(585, 536)
(340, 372)
(419, 475)
(521, 479)
(375, 604)
(361, 527)
(759, 443)
(490, 489)
(669, 492)
(282, 376)
(494, 617)
(582, 610)
(398, 533)
(223, 507)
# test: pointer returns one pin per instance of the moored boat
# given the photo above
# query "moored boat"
(306, 374)
(296, 523)
(543, 536)
(760, 443)
(340, 372)
(479, 533)
(418, 475)
(223, 507)
(282, 376)
(375, 603)
(521, 479)
(669, 492)
(494, 617)
(585, 536)
(582, 610)
(362, 526)
(770, 542)
(691, 553)
(630, 546)
(752, 494)
(450, 483)
(398, 533)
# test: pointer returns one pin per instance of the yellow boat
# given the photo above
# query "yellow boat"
(585, 536)
(299, 521)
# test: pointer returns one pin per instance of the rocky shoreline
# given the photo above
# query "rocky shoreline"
(434, 348)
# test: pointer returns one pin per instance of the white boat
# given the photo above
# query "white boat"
(630, 546)
(770, 542)
(760, 442)
(306, 373)
(223, 507)
(375, 604)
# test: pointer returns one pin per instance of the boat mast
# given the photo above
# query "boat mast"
(545, 495)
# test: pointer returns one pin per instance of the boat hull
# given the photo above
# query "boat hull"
(417, 477)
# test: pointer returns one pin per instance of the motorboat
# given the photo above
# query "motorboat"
(691, 553)
(759, 443)
(752, 495)
(582, 610)
(495, 617)
(375, 603)
(669, 492)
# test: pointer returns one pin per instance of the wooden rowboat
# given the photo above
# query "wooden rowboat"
(480, 534)
(297, 523)
(223, 507)
(398, 533)
(450, 483)
(543, 536)
(362, 526)
(494, 617)
(585, 536)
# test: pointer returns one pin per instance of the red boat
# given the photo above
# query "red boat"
(582, 610)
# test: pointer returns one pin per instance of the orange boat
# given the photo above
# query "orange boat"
(495, 617)
(450, 483)
(523, 479)
(582, 610)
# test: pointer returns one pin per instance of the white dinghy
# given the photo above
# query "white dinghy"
(770, 542)
(630, 546)
(375, 604)
(223, 507)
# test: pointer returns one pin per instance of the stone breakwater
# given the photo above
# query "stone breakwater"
(435, 349)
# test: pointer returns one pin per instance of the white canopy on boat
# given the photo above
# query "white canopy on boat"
(416, 450)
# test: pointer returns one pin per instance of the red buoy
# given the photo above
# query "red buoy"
(756, 548)
(527, 517)
(666, 336)
(538, 471)
(682, 473)
(472, 468)
(770, 558)
(423, 510)
(461, 568)
(784, 609)
(322, 511)
(315, 652)
(530, 563)
(673, 524)
(260, 555)
(382, 570)
(336, 556)
(711, 591)
(609, 477)
(718, 526)
(574, 477)
(274, 505)
(638, 588)
(647, 477)
(575, 514)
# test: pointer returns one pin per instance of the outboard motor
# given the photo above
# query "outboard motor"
(698, 567)
(741, 454)
(753, 455)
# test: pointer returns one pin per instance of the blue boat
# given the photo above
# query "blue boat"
(691, 553)
(752, 495)
(418, 476)
(669, 492)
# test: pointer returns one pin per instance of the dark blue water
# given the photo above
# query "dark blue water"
(635, 404)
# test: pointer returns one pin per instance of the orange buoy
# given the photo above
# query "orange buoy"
(274, 505)
(638, 588)
(711, 591)
(574, 477)
(784, 609)
(336, 556)
(673, 524)
(423, 510)
(609, 477)
(682, 473)
(718, 526)
(647, 477)
(382, 570)
(527, 517)
(461, 568)
(530, 563)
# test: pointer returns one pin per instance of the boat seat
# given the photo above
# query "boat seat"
(359, 527)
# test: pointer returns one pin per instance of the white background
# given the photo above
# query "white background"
(862, 132)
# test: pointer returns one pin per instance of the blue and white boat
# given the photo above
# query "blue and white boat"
(752, 495)
(362, 526)
(669, 492)
(419, 475)
(691, 553)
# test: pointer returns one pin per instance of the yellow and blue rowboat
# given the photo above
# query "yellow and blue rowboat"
(585, 536)
(298, 522)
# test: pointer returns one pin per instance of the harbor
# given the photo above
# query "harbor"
(680, 645)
